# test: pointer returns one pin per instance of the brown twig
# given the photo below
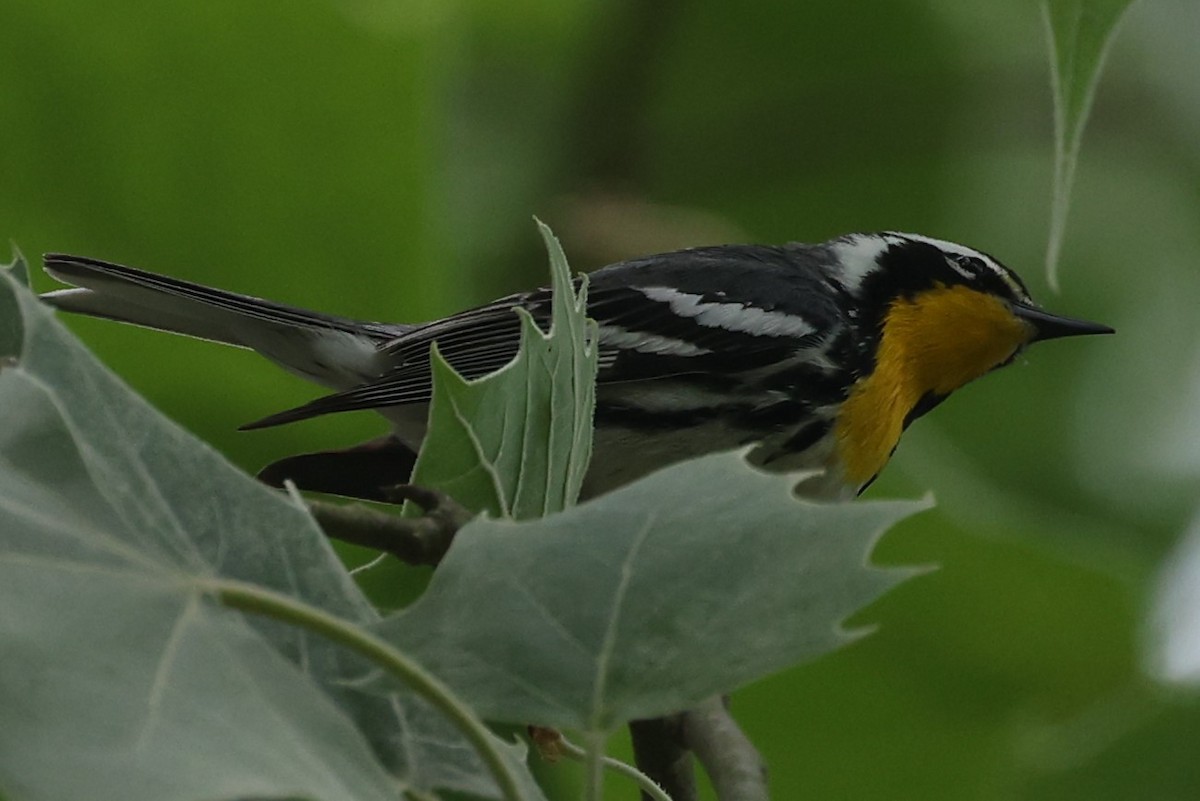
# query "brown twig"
(416, 540)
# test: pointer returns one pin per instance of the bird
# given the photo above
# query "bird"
(813, 357)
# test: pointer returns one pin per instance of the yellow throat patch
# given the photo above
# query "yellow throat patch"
(934, 342)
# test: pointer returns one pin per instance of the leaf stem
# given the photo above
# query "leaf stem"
(648, 785)
(259, 600)
(593, 763)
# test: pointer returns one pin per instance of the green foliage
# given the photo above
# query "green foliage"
(516, 443)
(691, 582)
(17, 268)
(1079, 34)
(125, 544)
(121, 677)
(382, 160)
(12, 333)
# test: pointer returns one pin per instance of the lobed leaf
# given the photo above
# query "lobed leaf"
(517, 442)
(120, 679)
(691, 582)
(17, 268)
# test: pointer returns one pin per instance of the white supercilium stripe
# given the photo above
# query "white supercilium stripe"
(943, 245)
(730, 316)
(612, 336)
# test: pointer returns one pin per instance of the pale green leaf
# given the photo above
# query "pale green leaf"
(120, 679)
(12, 334)
(18, 268)
(1079, 33)
(690, 582)
(516, 443)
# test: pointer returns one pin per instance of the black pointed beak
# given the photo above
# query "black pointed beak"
(1053, 326)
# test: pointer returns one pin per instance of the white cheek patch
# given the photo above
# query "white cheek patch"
(731, 316)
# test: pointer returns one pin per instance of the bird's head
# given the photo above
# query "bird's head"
(951, 312)
(932, 316)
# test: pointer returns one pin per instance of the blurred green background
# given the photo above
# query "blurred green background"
(383, 158)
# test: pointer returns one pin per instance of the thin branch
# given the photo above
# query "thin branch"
(416, 540)
(732, 762)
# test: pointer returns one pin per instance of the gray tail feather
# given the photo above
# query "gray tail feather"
(129, 295)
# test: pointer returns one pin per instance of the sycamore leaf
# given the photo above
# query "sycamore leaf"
(691, 582)
(17, 268)
(494, 443)
(120, 678)
(1079, 33)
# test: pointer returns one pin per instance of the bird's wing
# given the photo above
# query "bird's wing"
(719, 311)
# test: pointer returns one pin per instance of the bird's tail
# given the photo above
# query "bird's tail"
(334, 351)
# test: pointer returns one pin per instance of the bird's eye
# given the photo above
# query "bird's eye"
(963, 265)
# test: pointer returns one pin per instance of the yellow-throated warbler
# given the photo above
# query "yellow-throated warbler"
(820, 355)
